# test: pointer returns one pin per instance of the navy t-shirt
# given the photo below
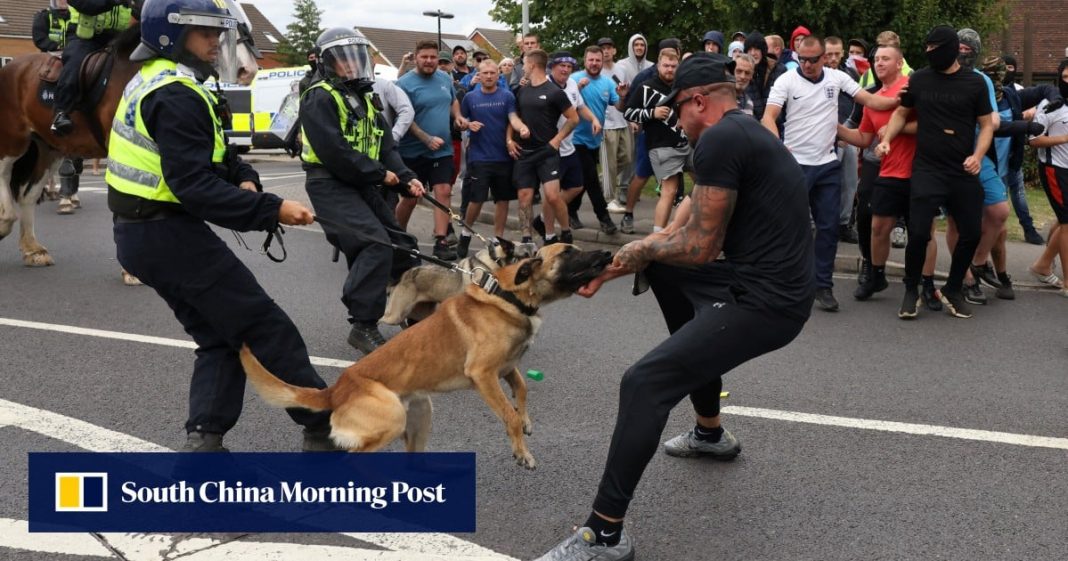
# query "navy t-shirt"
(768, 243)
(488, 144)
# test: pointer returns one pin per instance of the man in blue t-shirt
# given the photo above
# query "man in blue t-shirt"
(427, 149)
(598, 92)
(489, 110)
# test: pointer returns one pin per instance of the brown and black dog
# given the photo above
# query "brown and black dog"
(472, 340)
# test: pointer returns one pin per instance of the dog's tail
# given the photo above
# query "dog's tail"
(278, 393)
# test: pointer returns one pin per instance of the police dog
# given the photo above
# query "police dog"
(433, 283)
(471, 341)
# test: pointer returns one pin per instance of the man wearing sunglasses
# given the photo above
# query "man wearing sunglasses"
(748, 201)
(810, 96)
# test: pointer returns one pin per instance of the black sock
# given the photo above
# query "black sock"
(607, 533)
(708, 435)
(877, 271)
(1003, 276)
(630, 214)
(928, 281)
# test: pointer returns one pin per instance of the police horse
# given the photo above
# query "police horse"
(28, 149)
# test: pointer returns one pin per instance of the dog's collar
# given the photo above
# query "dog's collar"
(511, 298)
(490, 285)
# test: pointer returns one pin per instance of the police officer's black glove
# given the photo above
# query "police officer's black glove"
(1054, 105)
(1035, 129)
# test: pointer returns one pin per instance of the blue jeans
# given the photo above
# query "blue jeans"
(824, 202)
(1015, 183)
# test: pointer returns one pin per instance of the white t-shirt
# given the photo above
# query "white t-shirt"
(613, 118)
(1056, 124)
(811, 113)
(567, 147)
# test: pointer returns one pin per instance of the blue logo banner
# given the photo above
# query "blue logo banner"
(246, 492)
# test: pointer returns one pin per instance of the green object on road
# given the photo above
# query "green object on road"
(536, 375)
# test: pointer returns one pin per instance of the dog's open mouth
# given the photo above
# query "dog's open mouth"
(583, 268)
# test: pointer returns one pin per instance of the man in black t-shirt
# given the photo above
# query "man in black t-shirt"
(539, 104)
(749, 201)
(949, 102)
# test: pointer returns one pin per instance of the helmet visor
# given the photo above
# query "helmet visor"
(350, 61)
(227, 65)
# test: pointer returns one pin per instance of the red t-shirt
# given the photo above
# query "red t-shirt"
(898, 163)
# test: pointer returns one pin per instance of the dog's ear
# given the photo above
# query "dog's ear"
(509, 247)
(526, 270)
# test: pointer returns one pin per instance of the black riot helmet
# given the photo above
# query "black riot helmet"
(345, 56)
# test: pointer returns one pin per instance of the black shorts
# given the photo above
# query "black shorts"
(571, 172)
(1055, 182)
(537, 166)
(484, 178)
(431, 171)
(890, 197)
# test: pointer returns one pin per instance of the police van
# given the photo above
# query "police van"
(254, 106)
(264, 111)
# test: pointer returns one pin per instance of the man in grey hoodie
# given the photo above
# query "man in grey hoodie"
(636, 61)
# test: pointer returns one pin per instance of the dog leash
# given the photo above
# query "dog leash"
(456, 218)
(412, 252)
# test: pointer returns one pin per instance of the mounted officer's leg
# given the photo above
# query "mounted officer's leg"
(69, 173)
(68, 90)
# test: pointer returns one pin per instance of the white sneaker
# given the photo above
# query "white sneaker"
(1048, 279)
(616, 208)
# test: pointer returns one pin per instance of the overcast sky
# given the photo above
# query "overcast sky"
(392, 14)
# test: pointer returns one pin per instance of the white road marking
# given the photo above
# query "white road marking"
(162, 341)
(789, 416)
(135, 547)
(906, 428)
(281, 176)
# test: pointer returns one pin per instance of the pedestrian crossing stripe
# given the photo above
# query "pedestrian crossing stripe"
(81, 492)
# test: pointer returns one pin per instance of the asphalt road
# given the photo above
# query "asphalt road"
(820, 488)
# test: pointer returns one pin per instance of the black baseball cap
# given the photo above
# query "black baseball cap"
(459, 48)
(700, 69)
(605, 41)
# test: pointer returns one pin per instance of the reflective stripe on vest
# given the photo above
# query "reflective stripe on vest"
(363, 136)
(87, 27)
(134, 166)
(57, 29)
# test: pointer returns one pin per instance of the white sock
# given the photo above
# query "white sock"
(657, 229)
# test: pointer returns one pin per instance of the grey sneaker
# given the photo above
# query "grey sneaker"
(899, 237)
(583, 546)
(687, 445)
(627, 224)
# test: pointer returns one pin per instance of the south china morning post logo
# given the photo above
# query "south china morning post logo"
(251, 492)
(81, 492)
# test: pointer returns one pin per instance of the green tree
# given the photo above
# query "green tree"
(301, 34)
(573, 24)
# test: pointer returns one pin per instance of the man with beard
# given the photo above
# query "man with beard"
(948, 102)
(598, 93)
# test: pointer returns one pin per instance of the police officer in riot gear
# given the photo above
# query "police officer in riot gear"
(50, 27)
(93, 23)
(348, 152)
(169, 174)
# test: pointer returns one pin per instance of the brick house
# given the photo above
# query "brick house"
(16, 23)
(1037, 36)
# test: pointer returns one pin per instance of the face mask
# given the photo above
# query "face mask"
(942, 57)
(967, 60)
(1063, 87)
(1010, 78)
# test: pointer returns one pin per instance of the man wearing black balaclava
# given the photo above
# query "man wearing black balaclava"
(948, 102)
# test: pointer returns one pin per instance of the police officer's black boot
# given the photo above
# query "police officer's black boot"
(203, 442)
(366, 337)
(318, 440)
(62, 125)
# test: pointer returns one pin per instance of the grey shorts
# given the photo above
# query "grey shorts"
(668, 162)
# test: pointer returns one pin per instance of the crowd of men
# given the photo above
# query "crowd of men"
(538, 128)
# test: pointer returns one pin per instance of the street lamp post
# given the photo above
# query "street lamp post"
(439, 14)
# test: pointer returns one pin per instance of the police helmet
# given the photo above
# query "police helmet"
(345, 55)
(164, 23)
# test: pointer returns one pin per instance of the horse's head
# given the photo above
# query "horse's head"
(247, 53)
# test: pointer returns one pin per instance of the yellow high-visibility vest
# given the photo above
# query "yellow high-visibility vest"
(363, 136)
(134, 166)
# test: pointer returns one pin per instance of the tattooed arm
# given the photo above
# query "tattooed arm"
(698, 242)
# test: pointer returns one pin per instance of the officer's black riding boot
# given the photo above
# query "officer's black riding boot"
(366, 337)
(62, 125)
